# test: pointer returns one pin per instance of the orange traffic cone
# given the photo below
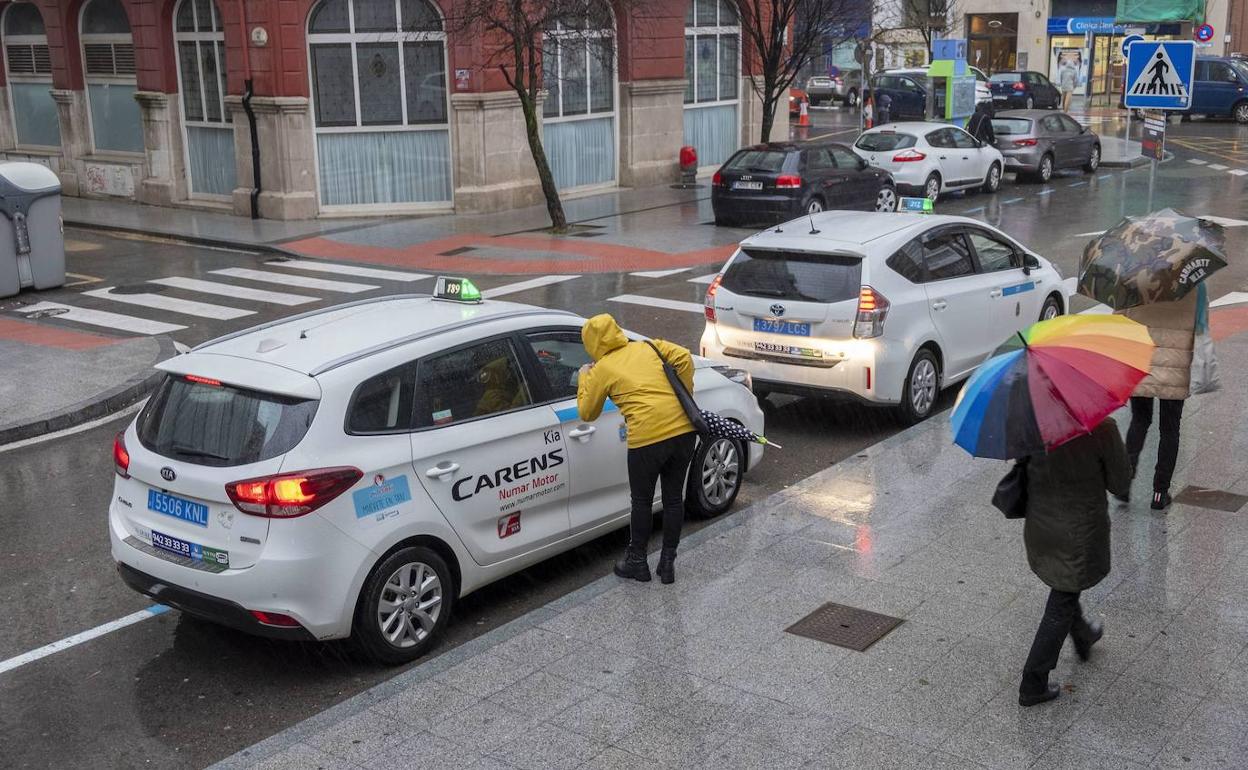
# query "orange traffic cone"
(803, 119)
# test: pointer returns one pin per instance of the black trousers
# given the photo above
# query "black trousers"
(666, 461)
(1167, 447)
(1062, 617)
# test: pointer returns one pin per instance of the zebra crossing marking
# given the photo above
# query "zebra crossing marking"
(343, 287)
(658, 273)
(704, 278)
(1237, 172)
(116, 321)
(533, 283)
(666, 304)
(1197, 161)
(1217, 167)
(357, 271)
(239, 292)
(172, 304)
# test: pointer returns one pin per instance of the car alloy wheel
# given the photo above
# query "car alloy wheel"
(1031, 103)
(815, 206)
(1094, 160)
(1241, 112)
(1050, 310)
(994, 179)
(1046, 168)
(922, 390)
(931, 188)
(409, 606)
(886, 200)
(721, 471)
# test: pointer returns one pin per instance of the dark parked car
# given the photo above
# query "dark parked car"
(1221, 88)
(1026, 90)
(781, 180)
(907, 91)
(1036, 143)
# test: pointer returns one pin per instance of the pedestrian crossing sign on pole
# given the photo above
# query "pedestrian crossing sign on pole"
(1160, 74)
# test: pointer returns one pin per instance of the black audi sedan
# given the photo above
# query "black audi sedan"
(781, 180)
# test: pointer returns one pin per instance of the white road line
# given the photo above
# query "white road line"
(704, 278)
(117, 321)
(359, 272)
(1197, 161)
(1237, 172)
(76, 429)
(533, 283)
(85, 636)
(172, 304)
(303, 282)
(239, 292)
(1226, 222)
(1232, 298)
(1217, 167)
(658, 273)
(666, 304)
(1086, 235)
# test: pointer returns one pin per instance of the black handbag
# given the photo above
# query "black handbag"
(682, 395)
(1011, 495)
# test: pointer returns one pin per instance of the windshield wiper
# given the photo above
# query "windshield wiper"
(187, 451)
(765, 293)
(759, 170)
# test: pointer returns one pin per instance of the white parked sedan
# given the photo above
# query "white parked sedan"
(931, 158)
(884, 308)
(355, 470)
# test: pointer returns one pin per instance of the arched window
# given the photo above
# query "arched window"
(29, 67)
(378, 70)
(578, 74)
(108, 62)
(200, 38)
(712, 79)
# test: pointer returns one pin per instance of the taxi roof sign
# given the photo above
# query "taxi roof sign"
(921, 205)
(456, 290)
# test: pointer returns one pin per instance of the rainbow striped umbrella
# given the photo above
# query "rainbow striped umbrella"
(1057, 380)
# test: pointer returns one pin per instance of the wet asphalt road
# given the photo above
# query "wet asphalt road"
(176, 692)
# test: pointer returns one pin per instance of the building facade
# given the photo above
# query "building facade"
(359, 106)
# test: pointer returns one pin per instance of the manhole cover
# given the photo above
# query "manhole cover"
(844, 626)
(455, 251)
(1216, 499)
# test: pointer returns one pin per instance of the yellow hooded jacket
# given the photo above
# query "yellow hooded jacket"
(632, 376)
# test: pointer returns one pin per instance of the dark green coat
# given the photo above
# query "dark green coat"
(1067, 525)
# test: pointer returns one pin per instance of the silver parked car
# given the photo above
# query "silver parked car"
(844, 87)
(1036, 143)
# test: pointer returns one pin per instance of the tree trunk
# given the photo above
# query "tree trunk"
(554, 205)
(769, 115)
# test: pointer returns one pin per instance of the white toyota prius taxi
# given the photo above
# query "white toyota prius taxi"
(884, 308)
(355, 470)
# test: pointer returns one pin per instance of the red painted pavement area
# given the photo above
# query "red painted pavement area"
(1226, 322)
(584, 256)
(51, 336)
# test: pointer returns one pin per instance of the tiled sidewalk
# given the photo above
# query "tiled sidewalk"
(702, 673)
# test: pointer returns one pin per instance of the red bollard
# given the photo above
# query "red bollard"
(688, 166)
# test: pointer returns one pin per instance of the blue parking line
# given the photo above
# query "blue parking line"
(1077, 184)
(973, 211)
(1104, 176)
(1011, 200)
(1045, 192)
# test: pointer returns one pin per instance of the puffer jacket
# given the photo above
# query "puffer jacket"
(632, 376)
(1172, 325)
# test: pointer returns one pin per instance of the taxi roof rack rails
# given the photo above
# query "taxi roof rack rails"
(365, 353)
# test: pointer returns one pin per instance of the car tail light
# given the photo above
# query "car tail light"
(202, 380)
(909, 156)
(872, 310)
(717, 180)
(1019, 87)
(288, 495)
(1024, 142)
(121, 458)
(709, 308)
(788, 182)
(275, 619)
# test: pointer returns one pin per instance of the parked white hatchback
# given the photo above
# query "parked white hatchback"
(931, 158)
(884, 308)
(355, 470)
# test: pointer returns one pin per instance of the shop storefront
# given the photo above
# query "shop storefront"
(992, 41)
(1092, 47)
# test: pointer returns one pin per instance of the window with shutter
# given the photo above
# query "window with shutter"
(108, 60)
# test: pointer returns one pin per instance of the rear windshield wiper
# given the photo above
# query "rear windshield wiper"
(760, 170)
(187, 451)
(766, 293)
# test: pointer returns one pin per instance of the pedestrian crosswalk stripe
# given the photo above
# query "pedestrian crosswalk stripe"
(1231, 298)
(359, 272)
(533, 283)
(666, 304)
(704, 278)
(117, 321)
(238, 292)
(1197, 161)
(1238, 172)
(1225, 221)
(658, 273)
(1217, 167)
(345, 287)
(172, 304)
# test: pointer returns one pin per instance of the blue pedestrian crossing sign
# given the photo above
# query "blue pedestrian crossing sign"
(1159, 75)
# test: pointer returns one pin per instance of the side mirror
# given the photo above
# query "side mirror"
(862, 163)
(1030, 263)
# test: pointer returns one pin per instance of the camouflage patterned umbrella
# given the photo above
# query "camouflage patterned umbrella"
(1159, 257)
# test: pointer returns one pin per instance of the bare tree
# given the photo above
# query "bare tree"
(520, 36)
(781, 37)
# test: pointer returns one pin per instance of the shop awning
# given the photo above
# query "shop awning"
(1161, 10)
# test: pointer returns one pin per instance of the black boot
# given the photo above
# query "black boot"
(1035, 699)
(1161, 501)
(1084, 635)
(667, 566)
(633, 566)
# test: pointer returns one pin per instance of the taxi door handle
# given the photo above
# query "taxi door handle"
(995, 293)
(939, 304)
(582, 433)
(442, 470)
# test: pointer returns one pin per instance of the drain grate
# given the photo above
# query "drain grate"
(844, 626)
(1216, 499)
(456, 251)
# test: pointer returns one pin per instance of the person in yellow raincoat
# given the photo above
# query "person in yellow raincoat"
(661, 439)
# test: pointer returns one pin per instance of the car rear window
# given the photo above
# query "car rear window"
(220, 425)
(1006, 77)
(884, 142)
(1011, 126)
(796, 276)
(765, 161)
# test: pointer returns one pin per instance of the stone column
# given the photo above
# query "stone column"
(652, 130)
(288, 175)
(8, 134)
(491, 160)
(752, 115)
(163, 178)
(71, 108)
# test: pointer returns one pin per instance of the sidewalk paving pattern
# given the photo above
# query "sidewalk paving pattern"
(702, 673)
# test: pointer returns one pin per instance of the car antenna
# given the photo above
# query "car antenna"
(813, 231)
